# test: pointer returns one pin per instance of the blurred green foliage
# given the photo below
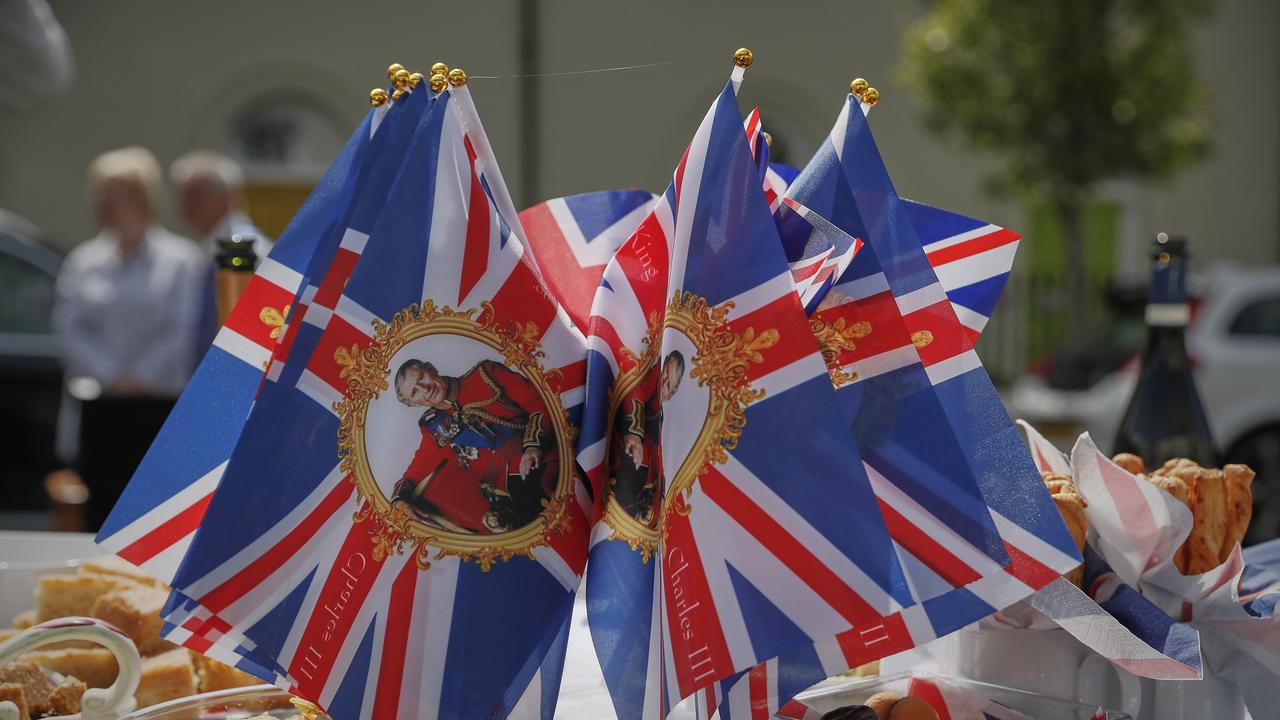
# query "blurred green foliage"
(1068, 92)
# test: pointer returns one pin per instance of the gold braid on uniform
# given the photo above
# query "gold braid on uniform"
(636, 416)
(533, 431)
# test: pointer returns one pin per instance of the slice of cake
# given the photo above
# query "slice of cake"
(96, 666)
(64, 595)
(136, 611)
(166, 676)
(41, 694)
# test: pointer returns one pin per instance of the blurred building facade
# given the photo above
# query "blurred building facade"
(280, 85)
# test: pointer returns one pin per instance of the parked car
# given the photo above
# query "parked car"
(1234, 344)
(30, 368)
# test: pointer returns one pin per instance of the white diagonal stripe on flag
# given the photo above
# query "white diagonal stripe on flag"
(962, 237)
(864, 287)
(314, 387)
(808, 536)
(354, 240)
(757, 297)
(242, 347)
(936, 529)
(722, 538)
(279, 275)
(977, 267)
(442, 585)
(953, 367)
(267, 540)
(922, 298)
(183, 499)
(885, 362)
(790, 375)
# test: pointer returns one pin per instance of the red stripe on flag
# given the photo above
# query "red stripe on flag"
(571, 545)
(248, 319)
(969, 248)
(684, 160)
(784, 316)
(271, 560)
(932, 553)
(604, 330)
(522, 299)
(475, 257)
(339, 335)
(569, 377)
(758, 691)
(882, 329)
(644, 261)
(395, 644)
(697, 638)
(573, 285)
(167, 533)
(946, 338)
(335, 280)
(812, 571)
(1030, 571)
(348, 584)
(292, 322)
(874, 640)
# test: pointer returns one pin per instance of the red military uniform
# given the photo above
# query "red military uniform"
(638, 489)
(466, 472)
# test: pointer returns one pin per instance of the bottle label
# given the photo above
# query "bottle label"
(1168, 314)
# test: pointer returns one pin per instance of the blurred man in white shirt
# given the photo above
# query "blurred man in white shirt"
(209, 188)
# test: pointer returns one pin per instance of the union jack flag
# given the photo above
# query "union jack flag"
(328, 270)
(972, 523)
(971, 258)
(365, 615)
(153, 523)
(705, 565)
(573, 238)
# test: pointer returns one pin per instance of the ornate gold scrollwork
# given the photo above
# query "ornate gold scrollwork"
(720, 363)
(836, 337)
(367, 370)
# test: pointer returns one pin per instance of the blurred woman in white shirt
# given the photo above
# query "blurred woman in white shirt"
(127, 297)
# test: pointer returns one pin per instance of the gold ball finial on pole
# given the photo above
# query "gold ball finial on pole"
(439, 82)
(457, 77)
(392, 69)
(859, 87)
(871, 96)
(743, 58)
(401, 79)
(415, 79)
(768, 139)
(439, 69)
(397, 94)
(377, 97)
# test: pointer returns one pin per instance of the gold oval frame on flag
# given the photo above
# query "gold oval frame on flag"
(367, 372)
(720, 362)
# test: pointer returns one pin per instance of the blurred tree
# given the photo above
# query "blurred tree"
(1070, 94)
